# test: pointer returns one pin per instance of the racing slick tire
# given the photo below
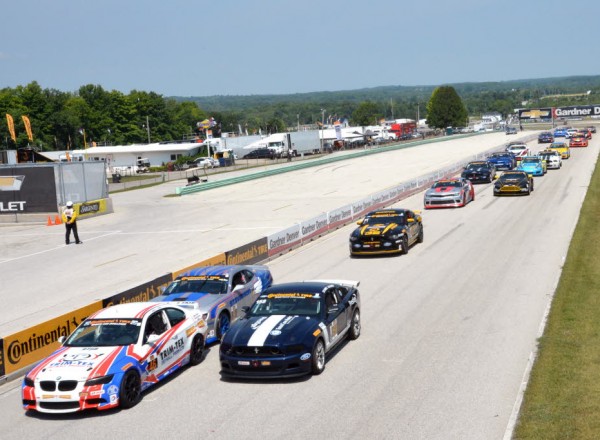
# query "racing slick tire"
(473, 196)
(404, 245)
(318, 358)
(197, 350)
(223, 324)
(130, 391)
(354, 332)
(491, 179)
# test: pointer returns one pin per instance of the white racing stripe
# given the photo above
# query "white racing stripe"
(259, 336)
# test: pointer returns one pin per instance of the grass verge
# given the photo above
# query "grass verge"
(562, 400)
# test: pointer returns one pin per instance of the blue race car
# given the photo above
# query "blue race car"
(560, 132)
(220, 291)
(532, 165)
(290, 329)
(545, 138)
(502, 160)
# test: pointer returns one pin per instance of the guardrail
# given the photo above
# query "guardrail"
(19, 351)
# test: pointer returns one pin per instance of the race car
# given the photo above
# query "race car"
(114, 355)
(578, 140)
(449, 193)
(290, 329)
(220, 291)
(513, 183)
(560, 132)
(533, 165)
(562, 148)
(552, 158)
(545, 137)
(479, 171)
(502, 160)
(518, 150)
(388, 231)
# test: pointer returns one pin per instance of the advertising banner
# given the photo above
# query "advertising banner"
(212, 261)
(577, 111)
(35, 343)
(143, 292)
(91, 207)
(361, 207)
(283, 240)
(250, 253)
(26, 190)
(339, 217)
(314, 227)
(536, 113)
(381, 199)
(2, 369)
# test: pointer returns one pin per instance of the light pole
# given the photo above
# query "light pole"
(148, 128)
(322, 126)
(298, 117)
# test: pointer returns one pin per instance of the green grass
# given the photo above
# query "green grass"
(562, 400)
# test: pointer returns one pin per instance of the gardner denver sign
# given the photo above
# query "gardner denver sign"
(577, 111)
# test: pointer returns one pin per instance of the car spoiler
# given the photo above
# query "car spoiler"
(345, 283)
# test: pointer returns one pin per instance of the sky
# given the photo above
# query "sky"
(256, 47)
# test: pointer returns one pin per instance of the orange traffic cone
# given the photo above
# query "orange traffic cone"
(57, 220)
(49, 221)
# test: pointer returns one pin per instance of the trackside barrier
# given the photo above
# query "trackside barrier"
(25, 348)
(183, 190)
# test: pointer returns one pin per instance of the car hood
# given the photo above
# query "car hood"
(258, 331)
(77, 363)
(204, 300)
(443, 190)
(375, 229)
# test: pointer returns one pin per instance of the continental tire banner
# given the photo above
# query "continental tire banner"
(577, 111)
(2, 369)
(536, 113)
(213, 261)
(25, 190)
(35, 343)
(141, 293)
(250, 253)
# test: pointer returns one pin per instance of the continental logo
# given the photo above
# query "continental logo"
(141, 293)
(35, 343)
(213, 261)
(11, 183)
(250, 253)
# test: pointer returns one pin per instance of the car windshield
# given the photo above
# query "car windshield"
(477, 165)
(509, 177)
(385, 218)
(531, 160)
(207, 284)
(288, 303)
(447, 183)
(105, 333)
(500, 155)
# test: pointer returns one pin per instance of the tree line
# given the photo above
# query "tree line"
(64, 120)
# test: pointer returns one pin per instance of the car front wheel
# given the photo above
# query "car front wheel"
(222, 325)
(404, 245)
(131, 389)
(197, 350)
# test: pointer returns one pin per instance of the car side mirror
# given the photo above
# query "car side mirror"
(62, 339)
(360, 222)
(238, 287)
(152, 339)
(410, 220)
(246, 309)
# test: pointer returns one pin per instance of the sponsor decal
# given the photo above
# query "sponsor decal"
(190, 331)
(31, 189)
(317, 332)
(113, 389)
(305, 357)
(92, 207)
(143, 292)
(249, 253)
(35, 343)
(275, 333)
(127, 367)
(172, 349)
(579, 110)
(290, 295)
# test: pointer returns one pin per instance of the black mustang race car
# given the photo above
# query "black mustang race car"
(386, 232)
(479, 171)
(290, 328)
(514, 183)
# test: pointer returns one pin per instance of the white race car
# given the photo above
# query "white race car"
(114, 355)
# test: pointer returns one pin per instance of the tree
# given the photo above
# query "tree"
(367, 113)
(446, 109)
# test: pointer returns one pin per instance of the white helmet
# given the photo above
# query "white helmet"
(69, 204)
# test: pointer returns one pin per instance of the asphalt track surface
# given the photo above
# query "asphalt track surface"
(448, 330)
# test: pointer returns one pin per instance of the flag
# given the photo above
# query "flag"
(11, 127)
(27, 123)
